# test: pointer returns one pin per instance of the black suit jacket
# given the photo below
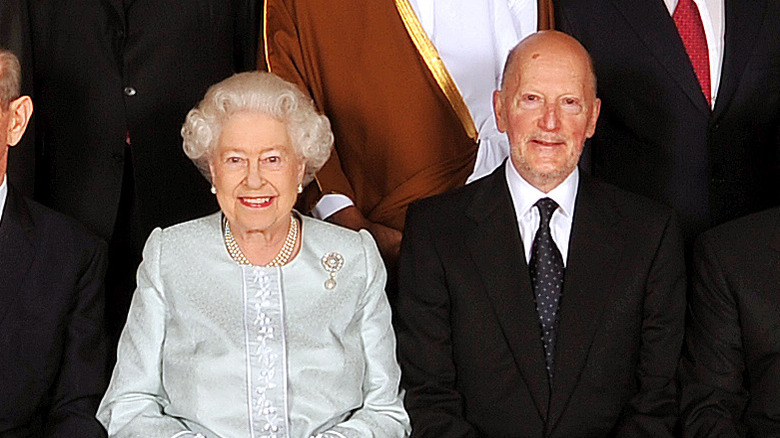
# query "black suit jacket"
(104, 69)
(468, 332)
(656, 134)
(52, 336)
(731, 360)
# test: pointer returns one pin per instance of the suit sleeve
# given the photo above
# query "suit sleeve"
(82, 372)
(287, 56)
(425, 339)
(133, 405)
(653, 411)
(382, 414)
(711, 369)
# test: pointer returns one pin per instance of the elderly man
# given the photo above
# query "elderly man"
(731, 361)
(52, 340)
(537, 302)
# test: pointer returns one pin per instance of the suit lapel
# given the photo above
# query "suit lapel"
(118, 6)
(594, 252)
(16, 250)
(743, 22)
(496, 249)
(655, 27)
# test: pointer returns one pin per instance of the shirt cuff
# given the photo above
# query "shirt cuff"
(330, 204)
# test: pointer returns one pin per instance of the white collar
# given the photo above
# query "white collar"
(524, 195)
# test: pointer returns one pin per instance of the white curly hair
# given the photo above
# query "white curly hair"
(264, 93)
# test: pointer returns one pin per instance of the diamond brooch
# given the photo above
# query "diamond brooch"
(332, 262)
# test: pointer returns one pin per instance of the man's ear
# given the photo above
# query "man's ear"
(594, 117)
(19, 113)
(498, 110)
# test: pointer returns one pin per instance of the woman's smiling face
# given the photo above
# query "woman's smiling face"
(256, 173)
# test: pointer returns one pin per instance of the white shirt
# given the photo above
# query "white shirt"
(713, 18)
(524, 196)
(3, 195)
(475, 60)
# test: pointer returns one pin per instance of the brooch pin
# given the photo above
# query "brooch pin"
(332, 262)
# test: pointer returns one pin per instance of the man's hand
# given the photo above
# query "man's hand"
(388, 239)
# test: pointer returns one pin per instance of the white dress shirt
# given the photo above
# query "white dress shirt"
(713, 18)
(524, 196)
(3, 195)
(473, 39)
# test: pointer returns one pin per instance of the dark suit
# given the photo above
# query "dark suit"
(656, 134)
(731, 360)
(106, 70)
(468, 331)
(52, 337)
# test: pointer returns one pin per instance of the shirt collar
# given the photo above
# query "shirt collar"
(3, 195)
(524, 195)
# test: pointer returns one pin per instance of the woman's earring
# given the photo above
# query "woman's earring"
(213, 190)
(300, 188)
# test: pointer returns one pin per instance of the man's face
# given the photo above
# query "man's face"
(548, 109)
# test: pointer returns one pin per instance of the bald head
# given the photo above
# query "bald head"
(549, 43)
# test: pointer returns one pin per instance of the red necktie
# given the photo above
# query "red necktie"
(686, 17)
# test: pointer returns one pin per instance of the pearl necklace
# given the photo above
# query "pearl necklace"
(282, 257)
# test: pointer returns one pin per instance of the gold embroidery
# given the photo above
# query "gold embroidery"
(265, 35)
(431, 57)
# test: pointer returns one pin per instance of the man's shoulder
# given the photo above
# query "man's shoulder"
(458, 199)
(627, 203)
(744, 234)
(57, 229)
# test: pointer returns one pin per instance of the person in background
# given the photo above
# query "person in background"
(407, 85)
(690, 93)
(537, 302)
(257, 321)
(113, 81)
(730, 365)
(52, 333)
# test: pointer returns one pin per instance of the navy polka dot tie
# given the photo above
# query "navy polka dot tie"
(546, 269)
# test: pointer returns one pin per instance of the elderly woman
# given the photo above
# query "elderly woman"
(256, 321)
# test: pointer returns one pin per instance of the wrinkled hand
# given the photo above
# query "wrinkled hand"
(387, 239)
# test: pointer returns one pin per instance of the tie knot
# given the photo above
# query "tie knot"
(685, 8)
(546, 208)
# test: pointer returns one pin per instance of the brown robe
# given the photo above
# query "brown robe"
(398, 136)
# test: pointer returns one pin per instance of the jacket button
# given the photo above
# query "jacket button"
(130, 91)
(118, 157)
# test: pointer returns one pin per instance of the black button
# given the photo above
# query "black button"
(118, 157)
(120, 33)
